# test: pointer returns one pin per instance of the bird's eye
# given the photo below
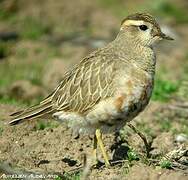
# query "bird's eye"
(143, 27)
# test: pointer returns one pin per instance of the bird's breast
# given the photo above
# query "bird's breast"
(133, 94)
(131, 97)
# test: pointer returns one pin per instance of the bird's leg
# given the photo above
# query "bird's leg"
(101, 145)
(95, 149)
(143, 137)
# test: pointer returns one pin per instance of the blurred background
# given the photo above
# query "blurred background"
(41, 39)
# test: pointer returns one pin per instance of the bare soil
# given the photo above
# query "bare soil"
(54, 150)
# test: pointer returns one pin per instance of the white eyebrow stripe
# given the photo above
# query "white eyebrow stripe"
(133, 22)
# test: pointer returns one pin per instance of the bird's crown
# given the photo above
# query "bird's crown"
(140, 17)
(145, 23)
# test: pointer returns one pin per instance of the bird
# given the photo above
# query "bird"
(109, 87)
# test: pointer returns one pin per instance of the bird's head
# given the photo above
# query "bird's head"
(143, 28)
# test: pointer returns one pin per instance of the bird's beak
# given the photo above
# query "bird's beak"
(164, 36)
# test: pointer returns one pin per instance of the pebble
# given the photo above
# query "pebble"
(181, 138)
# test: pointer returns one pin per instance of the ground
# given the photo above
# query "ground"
(40, 41)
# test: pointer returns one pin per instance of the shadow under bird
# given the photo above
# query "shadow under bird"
(107, 88)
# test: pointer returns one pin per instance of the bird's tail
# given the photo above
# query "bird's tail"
(31, 113)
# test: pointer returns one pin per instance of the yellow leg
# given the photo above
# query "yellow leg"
(100, 143)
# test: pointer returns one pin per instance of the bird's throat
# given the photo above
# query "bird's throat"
(131, 50)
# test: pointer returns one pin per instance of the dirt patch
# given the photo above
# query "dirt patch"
(53, 149)
(143, 172)
(49, 149)
(167, 145)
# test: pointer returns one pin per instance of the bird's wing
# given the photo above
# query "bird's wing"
(85, 85)
(81, 88)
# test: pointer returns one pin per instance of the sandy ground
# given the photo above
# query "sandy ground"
(53, 150)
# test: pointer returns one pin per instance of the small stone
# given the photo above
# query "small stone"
(181, 138)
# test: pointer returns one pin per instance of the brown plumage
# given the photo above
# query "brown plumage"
(142, 16)
(81, 88)
(94, 78)
(110, 86)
